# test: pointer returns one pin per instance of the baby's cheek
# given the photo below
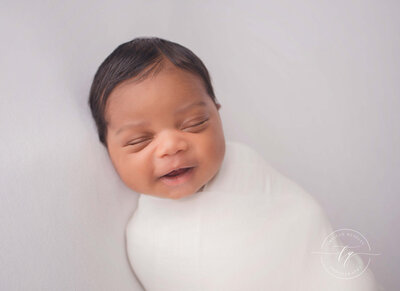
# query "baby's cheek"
(135, 181)
(126, 170)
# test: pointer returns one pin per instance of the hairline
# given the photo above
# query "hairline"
(151, 71)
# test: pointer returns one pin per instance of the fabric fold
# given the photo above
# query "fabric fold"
(250, 228)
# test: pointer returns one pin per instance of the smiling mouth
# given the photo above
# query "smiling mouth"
(177, 172)
(178, 176)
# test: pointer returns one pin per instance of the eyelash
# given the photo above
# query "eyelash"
(197, 124)
(144, 140)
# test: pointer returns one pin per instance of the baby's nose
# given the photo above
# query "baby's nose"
(170, 143)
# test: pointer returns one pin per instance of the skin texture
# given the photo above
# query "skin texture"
(189, 138)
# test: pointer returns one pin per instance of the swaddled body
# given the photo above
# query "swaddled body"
(249, 229)
(212, 216)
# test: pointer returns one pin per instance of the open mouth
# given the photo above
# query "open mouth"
(176, 173)
(178, 176)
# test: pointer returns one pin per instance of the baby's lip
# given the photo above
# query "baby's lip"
(174, 169)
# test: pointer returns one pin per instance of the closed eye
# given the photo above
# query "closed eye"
(197, 124)
(143, 140)
(137, 141)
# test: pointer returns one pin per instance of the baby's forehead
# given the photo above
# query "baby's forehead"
(165, 80)
(154, 94)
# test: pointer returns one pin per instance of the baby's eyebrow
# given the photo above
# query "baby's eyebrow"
(132, 124)
(186, 107)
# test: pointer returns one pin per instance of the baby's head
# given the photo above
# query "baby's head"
(156, 112)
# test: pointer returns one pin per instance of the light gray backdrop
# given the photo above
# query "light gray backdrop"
(313, 86)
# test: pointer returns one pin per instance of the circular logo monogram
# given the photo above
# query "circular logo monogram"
(341, 253)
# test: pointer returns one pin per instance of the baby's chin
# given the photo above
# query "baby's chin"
(175, 195)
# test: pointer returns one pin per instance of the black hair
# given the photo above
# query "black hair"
(138, 58)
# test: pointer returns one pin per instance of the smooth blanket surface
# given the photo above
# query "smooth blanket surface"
(250, 228)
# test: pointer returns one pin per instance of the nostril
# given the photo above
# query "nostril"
(171, 147)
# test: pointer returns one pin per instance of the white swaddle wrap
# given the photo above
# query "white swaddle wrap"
(249, 229)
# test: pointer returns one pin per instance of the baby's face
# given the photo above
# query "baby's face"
(160, 124)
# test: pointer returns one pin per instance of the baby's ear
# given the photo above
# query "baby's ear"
(218, 106)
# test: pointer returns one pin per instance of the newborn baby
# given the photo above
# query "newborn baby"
(156, 113)
(212, 215)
